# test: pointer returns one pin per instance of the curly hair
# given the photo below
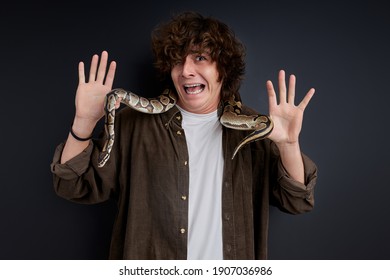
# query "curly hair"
(173, 41)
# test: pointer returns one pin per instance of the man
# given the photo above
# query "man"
(179, 193)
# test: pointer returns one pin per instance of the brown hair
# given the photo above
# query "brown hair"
(172, 41)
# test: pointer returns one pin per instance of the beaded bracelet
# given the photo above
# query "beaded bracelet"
(79, 138)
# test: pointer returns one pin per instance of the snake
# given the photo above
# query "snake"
(231, 117)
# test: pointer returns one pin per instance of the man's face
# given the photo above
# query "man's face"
(196, 82)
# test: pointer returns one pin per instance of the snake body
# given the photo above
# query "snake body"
(158, 105)
(231, 117)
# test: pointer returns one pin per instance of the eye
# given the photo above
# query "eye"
(200, 58)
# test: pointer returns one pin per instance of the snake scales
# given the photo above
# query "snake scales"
(231, 117)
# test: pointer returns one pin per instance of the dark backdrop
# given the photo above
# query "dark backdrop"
(340, 49)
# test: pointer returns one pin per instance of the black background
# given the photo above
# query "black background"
(341, 49)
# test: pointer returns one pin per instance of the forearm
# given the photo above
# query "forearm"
(82, 128)
(291, 158)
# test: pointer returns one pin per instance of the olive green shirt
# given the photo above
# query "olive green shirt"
(148, 176)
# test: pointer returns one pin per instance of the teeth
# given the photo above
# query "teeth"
(194, 92)
(194, 85)
(186, 87)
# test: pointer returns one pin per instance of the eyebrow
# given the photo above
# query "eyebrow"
(199, 51)
(204, 53)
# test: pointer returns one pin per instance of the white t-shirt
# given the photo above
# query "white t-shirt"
(204, 140)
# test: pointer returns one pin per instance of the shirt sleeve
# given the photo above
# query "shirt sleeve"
(292, 196)
(73, 168)
(79, 179)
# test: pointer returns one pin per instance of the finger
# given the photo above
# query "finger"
(305, 101)
(102, 67)
(111, 74)
(118, 103)
(272, 101)
(282, 86)
(92, 70)
(291, 89)
(81, 73)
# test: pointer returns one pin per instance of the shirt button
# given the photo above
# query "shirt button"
(184, 197)
(178, 118)
(182, 230)
(178, 132)
(227, 216)
(186, 162)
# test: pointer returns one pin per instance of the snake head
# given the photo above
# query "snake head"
(261, 132)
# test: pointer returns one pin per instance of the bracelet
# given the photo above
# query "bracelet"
(79, 138)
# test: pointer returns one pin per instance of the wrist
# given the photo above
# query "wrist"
(289, 147)
(82, 128)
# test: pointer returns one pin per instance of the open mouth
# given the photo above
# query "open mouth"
(194, 88)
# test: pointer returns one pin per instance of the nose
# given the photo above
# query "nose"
(188, 69)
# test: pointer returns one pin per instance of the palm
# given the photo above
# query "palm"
(287, 117)
(90, 95)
